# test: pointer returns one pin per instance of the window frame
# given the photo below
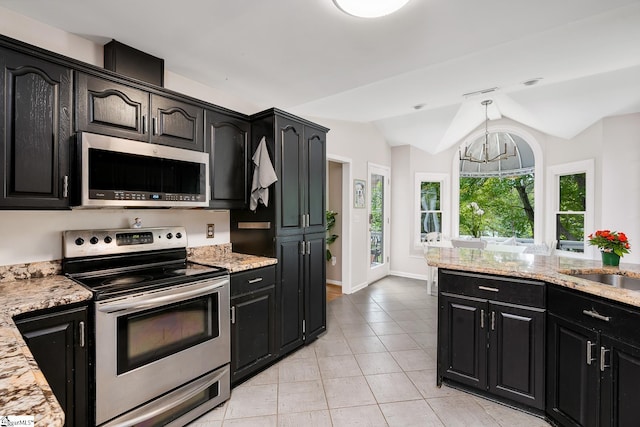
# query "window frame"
(553, 203)
(445, 209)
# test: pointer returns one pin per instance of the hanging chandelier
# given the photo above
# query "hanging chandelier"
(484, 156)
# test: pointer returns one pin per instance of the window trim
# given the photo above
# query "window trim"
(445, 207)
(553, 193)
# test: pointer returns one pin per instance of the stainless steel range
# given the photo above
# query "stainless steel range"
(162, 346)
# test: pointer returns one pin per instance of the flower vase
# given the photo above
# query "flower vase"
(610, 259)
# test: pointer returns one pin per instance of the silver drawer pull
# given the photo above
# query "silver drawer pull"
(256, 280)
(486, 288)
(596, 315)
(481, 319)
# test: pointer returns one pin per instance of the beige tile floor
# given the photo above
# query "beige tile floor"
(375, 366)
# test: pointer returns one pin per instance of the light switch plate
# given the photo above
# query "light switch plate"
(210, 231)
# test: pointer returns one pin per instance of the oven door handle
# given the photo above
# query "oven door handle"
(168, 402)
(162, 300)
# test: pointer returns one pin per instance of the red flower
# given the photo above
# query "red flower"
(610, 241)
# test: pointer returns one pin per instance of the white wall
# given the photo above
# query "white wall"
(362, 143)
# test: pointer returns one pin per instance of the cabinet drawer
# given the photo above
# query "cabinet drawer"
(495, 288)
(608, 317)
(252, 280)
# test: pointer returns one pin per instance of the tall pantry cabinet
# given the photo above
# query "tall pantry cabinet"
(292, 227)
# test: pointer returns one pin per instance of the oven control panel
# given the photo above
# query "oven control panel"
(82, 243)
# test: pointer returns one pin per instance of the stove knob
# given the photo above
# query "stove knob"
(178, 235)
(169, 235)
(79, 241)
(108, 239)
(94, 240)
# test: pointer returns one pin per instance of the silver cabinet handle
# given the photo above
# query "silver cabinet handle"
(481, 319)
(81, 331)
(493, 320)
(155, 125)
(603, 354)
(256, 280)
(590, 357)
(486, 288)
(302, 248)
(308, 248)
(233, 315)
(596, 315)
(144, 124)
(65, 186)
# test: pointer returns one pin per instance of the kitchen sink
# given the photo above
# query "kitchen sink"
(616, 280)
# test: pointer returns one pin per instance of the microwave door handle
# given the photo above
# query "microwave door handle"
(180, 397)
(163, 300)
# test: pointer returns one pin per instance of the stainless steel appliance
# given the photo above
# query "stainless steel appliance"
(162, 344)
(120, 172)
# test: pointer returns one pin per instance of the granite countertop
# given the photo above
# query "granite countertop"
(551, 269)
(232, 261)
(23, 388)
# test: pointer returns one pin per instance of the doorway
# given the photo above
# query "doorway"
(338, 200)
(378, 210)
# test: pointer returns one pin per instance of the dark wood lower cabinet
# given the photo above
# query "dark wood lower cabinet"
(493, 346)
(58, 343)
(253, 322)
(593, 377)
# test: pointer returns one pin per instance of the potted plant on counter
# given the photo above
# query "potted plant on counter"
(612, 245)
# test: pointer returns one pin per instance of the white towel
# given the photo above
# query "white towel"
(263, 176)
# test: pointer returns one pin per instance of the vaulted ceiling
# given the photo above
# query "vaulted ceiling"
(415, 74)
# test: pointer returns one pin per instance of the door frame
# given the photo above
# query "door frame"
(379, 271)
(345, 237)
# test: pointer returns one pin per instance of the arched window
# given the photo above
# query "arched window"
(495, 190)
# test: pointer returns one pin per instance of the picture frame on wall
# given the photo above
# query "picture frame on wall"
(359, 193)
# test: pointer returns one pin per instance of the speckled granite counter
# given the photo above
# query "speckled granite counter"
(23, 389)
(551, 269)
(232, 261)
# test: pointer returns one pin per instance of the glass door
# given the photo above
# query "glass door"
(378, 222)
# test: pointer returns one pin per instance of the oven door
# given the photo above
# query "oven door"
(151, 343)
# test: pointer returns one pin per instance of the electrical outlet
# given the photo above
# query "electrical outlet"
(210, 230)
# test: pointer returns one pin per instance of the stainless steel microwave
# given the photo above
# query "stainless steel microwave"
(117, 172)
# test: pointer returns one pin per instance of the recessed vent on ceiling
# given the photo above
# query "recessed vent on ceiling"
(480, 92)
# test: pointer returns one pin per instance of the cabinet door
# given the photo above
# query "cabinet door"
(291, 179)
(253, 327)
(315, 294)
(176, 123)
(516, 353)
(226, 141)
(290, 269)
(110, 108)
(35, 127)
(619, 364)
(315, 177)
(59, 349)
(572, 373)
(462, 340)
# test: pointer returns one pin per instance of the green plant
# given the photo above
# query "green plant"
(610, 241)
(331, 222)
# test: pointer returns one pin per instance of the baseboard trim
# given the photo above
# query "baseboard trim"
(334, 282)
(409, 275)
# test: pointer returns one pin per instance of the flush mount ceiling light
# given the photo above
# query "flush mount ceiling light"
(369, 8)
(486, 153)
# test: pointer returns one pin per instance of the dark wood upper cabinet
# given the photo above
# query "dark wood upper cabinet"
(111, 108)
(36, 111)
(226, 141)
(176, 123)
